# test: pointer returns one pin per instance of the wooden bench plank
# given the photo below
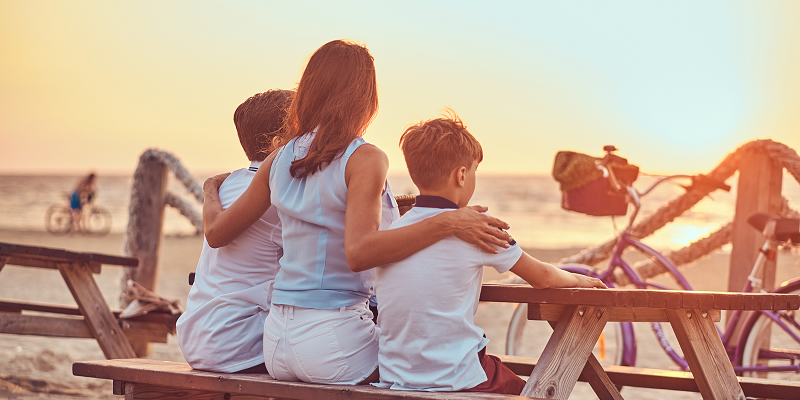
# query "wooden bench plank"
(65, 255)
(638, 298)
(552, 312)
(95, 310)
(669, 380)
(76, 327)
(705, 355)
(154, 392)
(179, 376)
(38, 262)
(6, 305)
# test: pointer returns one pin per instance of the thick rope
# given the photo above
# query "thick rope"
(136, 203)
(186, 209)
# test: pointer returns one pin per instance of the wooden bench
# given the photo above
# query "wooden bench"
(669, 380)
(579, 315)
(92, 318)
(151, 379)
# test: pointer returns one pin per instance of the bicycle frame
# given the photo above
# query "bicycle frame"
(625, 240)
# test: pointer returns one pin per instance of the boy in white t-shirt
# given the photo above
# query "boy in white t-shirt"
(426, 301)
(223, 326)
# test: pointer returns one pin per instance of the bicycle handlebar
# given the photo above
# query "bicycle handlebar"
(634, 195)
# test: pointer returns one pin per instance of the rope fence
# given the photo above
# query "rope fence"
(784, 155)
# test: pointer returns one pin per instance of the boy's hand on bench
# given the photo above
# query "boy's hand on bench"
(474, 227)
(583, 281)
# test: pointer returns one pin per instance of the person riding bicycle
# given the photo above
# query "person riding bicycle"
(82, 195)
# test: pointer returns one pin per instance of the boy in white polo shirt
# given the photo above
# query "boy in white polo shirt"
(426, 301)
(223, 326)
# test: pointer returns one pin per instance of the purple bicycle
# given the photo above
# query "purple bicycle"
(768, 344)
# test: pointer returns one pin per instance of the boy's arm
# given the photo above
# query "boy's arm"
(542, 275)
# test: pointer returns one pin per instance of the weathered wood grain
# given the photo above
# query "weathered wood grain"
(597, 378)
(669, 380)
(6, 305)
(565, 354)
(552, 312)
(62, 255)
(668, 299)
(94, 308)
(146, 232)
(38, 262)
(758, 190)
(705, 355)
(179, 376)
(76, 327)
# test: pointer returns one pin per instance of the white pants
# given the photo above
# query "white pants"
(337, 346)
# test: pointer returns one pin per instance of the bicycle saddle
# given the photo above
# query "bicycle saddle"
(786, 229)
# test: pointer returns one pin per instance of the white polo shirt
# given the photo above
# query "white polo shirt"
(426, 304)
(222, 328)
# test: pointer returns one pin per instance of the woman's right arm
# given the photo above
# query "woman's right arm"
(367, 247)
(222, 226)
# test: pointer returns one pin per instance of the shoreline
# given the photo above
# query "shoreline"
(40, 367)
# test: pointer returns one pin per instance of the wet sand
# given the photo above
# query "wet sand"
(40, 367)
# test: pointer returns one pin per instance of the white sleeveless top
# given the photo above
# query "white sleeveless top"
(222, 327)
(314, 272)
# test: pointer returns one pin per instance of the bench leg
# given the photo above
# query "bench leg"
(96, 313)
(566, 353)
(707, 359)
(594, 374)
(141, 391)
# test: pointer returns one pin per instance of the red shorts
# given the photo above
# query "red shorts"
(500, 379)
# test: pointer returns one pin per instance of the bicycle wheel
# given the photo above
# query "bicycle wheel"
(528, 338)
(58, 219)
(97, 221)
(768, 344)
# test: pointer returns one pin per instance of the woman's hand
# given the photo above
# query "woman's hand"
(211, 185)
(472, 226)
(222, 226)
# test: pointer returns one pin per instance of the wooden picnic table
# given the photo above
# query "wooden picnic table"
(92, 317)
(579, 315)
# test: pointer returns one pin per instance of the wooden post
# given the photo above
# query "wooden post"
(759, 190)
(148, 205)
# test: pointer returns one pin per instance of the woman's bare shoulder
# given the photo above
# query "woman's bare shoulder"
(369, 154)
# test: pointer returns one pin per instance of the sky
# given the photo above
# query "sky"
(674, 85)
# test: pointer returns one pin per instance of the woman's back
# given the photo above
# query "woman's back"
(314, 270)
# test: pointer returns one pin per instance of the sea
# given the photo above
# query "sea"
(529, 203)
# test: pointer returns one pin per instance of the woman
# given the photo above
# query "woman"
(331, 193)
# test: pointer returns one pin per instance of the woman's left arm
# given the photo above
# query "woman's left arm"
(222, 226)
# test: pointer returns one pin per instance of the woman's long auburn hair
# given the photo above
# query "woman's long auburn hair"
(338, 96)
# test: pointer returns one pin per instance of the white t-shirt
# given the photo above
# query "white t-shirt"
(426, 304)
(222, 328)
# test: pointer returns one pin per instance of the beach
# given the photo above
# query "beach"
(40, 367)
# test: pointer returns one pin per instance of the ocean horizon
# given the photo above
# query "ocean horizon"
(530, 203)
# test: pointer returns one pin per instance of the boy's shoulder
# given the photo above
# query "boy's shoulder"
(416, 214)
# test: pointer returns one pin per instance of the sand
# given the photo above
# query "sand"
(40, 367)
